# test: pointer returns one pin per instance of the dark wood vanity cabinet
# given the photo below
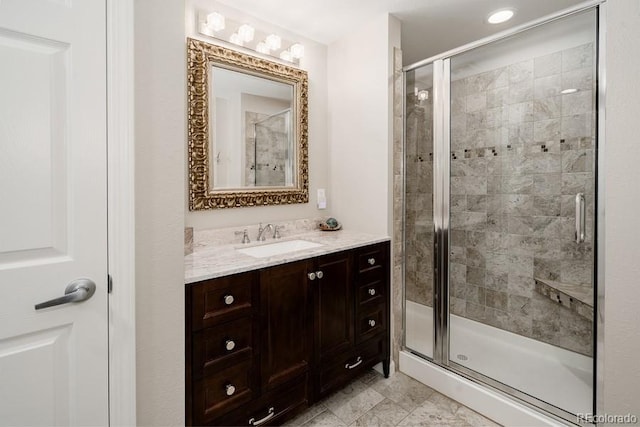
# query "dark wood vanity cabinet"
(262, 346)
(285, 323)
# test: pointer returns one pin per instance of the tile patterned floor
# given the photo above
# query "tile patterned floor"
(372, 400)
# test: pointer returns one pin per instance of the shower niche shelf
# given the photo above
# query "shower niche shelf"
(576, 297)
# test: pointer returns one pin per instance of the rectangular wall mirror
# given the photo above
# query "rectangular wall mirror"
(247, 130)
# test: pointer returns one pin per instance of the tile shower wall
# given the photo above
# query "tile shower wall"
(419, 199)
(266, 149)
(521, 151)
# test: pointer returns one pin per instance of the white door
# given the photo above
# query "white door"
(53, 226)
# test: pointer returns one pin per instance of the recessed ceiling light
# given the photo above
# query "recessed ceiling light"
(567, 91)
(500, 16)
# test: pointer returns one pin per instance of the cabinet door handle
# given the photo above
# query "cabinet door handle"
(319, 274)
(312, 276)
(372, 291)
(229, 345)
(229, 299)
(358, 362)
(372, 323)
(254, 422)
(230, 389)
(371, 261)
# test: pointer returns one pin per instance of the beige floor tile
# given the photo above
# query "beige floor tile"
(373, 401)
(403, 390)
(350, 407)
(325, 419)
(307, 415)
(474, 418)
(368, 420)
(429, 414)
(443, 403)
(389, 412)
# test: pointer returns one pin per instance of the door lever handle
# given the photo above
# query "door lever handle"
(76, 291)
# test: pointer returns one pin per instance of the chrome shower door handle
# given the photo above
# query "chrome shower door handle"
(580, 218)
(76, 291)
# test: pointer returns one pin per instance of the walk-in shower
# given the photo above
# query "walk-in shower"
(500, 205)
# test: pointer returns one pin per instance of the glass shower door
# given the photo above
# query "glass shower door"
(419, 230)
(522, 156)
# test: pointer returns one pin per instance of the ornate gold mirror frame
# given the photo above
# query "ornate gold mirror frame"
(201, 57)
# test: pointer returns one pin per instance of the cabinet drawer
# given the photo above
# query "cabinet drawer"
(220, 300)
(372, 258)
(350, 365)
(220, 393)
(370, 322)
(220, 346)
(273, 408)
(371, 293)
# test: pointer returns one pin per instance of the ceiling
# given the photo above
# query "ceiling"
(429, 27)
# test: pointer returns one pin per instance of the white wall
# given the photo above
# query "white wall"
(160, 163)
(622, 206)
(315, 63)
(360, 117)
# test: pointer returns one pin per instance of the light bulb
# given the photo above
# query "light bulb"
(423, 95)
(246, 32)
(262, 48)
(236, 39)
(286, 55)
(215, 21)
(273, 42)
(297, 50)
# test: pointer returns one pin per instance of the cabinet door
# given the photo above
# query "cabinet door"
(334, 306)
(285, 318)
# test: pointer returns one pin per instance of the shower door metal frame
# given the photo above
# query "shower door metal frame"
(441, 211)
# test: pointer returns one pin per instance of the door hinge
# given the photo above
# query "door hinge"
(109, 283)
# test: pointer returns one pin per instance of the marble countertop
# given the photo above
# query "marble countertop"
(209, 261)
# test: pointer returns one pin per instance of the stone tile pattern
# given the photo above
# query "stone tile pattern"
(419, 196)
(521, 151)
(266, 144)
(399, 400)
(398, 217)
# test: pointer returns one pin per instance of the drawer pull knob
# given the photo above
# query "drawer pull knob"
(372, 323)
(230, 389)
(358, 362)
(319, 274)
(229, 345)
(371, 261)
(312, 276)
(229, 299)
(372, 291)
(254, 422)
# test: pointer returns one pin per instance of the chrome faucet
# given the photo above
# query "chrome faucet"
(262, 230)
(245, 236)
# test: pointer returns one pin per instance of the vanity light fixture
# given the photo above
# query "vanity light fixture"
(500, 16)
(297, 51)
(215, 21)
(236, 39)
(246, 32)
(214, 24)
(568, 91)
(263, 48)
(273, 41)
(286, 55)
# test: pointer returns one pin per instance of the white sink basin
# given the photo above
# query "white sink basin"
(278, 248)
